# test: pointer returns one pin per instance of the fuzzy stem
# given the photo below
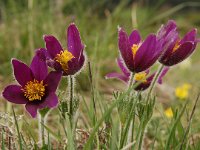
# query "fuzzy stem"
(154, 81)
(141, 139)
(131, 80)
(147, 101)
(41, 123)
(71, 95)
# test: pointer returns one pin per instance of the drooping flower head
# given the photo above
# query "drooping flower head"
(68, 60)
(176, 49)
(138, 55)
(142, 77)
(36, 87)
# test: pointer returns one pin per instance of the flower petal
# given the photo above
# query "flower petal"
(190, 36)
(74, 41)
(134, 37)
(166, 29)
(168, 44)
(39, 68)
(53, 46)
(125, 49)
(184, 51)
(52, 81)
(118, 76)
(32, 109)
(43, 54)
(145, 53)
(22, 72)
(14, 94)
(123, 67)
(50, 101)
(75, 65)
(142, 86)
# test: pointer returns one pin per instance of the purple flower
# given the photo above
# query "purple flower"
(36, 87)
(175, 49)
(138, 77)
(138, 55)
(69, 60)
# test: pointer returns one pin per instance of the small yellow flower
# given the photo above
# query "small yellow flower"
(182, 92)
(169, 112)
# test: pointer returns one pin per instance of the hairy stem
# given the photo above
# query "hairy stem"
(154, 81)
(41, 123)
(71, 95)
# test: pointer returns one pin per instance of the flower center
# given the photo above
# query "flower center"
(34, 90)
(135, 48)
(141, 77)
(63, 58)
(177, 45)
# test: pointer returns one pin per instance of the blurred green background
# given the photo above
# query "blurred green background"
(24, 22)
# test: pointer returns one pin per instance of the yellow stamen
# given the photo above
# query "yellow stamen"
(135, 48)
(169, 112)
(63, 58)
(34, 90)
(141, 77)
(176, 46)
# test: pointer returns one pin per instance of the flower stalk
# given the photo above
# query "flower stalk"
(154, 81)
(71, 95)
(41, 123)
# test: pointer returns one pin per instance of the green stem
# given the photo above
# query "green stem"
(41, 124)
(133, 125)
(71, 95)
(147, 101)
(131, 80)
(141, 139)
(154, 81)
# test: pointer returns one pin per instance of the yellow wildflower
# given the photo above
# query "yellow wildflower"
(182, 92)
(169, 112)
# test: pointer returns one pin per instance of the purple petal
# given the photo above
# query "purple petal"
(39, 68)
(190, 36)
(163, 73)
(168, 45)
(118, 76)
(166, 29)
(125, 49)
(184, 51)
(50, 101)
(197, 40)
(32, 109)
(142, 86)
(145, 53)
(22, 72)
(135, 38)
(14, 94)
(43, 54)
(74, 41)
(123, 67)
(53, 46)
(75, 65)
(52, 80)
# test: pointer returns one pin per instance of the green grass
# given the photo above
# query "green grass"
(22, 26)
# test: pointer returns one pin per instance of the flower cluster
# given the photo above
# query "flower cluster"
(137, 56)
(37, 87)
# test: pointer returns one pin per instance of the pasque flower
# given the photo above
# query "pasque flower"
(175, 48)
(142, 77)
(68, 60)
(138, 55)
(36, 87)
